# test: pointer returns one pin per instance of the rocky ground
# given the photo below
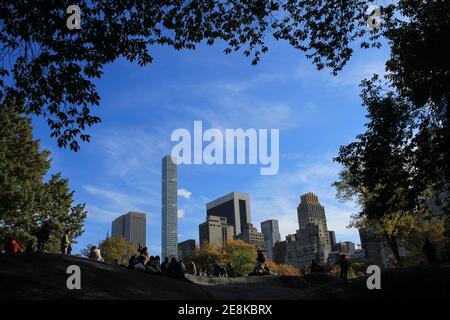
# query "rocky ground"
(34, 276)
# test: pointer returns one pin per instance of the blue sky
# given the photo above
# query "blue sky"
(120, 169)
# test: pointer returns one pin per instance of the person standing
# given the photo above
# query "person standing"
(194, 268)
(344, 265)
(65, 243)
(430, 252)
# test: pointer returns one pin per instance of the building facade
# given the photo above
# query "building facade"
(234, 206)
(186, 248)
(251, 235)
(312, 239)
(280, 252)
(332, 235)
(313, 226)
(215, 231)
(131, 226)
(271, 232)
(169, 232)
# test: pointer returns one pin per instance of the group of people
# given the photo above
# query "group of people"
(43, 235)
(219, 271)
(152, 264)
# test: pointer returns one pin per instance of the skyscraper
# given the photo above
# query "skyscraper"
(271, 235)
(131, 226)
(234, 206)
(313, 225)
(169, 230)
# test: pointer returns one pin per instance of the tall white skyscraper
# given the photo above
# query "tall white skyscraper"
(131, 226)
(169, 230)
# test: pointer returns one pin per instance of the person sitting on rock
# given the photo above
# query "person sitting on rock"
(95, 254)
(257, 270)
(132, 262)
(174, 270)
(266, 269)
(150, 265)
(12, 246)
(230, 270)
(140, 264)
(216, 270)
(157, 264)
(164, 265)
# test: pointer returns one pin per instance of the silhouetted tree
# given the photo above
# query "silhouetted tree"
(48, 69)
(419, 70)
(376, 166)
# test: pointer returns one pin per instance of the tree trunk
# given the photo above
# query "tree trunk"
(392, 241)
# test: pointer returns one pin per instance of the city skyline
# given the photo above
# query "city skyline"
(119, 170)
(309, 212)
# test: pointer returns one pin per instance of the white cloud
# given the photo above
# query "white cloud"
(184, 193)
(180, 213)
(123, 202)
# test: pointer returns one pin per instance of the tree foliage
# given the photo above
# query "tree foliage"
(240, 255)
(118, 248)
(419, 70)
(49, 70)
(357, 269)
(26, 200)
(205, 258)
(283, 269)
(432, 228)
